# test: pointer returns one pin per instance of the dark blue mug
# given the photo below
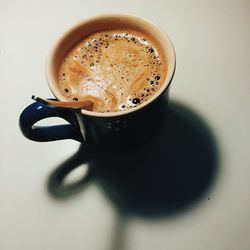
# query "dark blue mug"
(101, 131)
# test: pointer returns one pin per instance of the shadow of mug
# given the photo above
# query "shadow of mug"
(162, 177)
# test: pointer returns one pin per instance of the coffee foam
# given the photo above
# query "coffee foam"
(115, 69)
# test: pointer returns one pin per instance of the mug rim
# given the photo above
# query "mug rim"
(171, 65)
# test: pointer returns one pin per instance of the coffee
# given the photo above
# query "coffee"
(115, 69)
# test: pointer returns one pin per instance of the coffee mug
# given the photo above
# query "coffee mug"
(101, 131)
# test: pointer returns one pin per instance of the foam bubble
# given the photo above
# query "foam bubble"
(136, 101)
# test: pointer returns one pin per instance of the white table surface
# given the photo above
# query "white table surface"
(212, 43)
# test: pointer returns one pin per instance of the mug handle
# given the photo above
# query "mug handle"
(38, 111)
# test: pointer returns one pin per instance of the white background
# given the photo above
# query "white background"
(212, 43)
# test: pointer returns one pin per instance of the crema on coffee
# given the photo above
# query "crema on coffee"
(115, 69)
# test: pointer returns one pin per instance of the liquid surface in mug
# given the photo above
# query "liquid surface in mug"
(115, 69)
